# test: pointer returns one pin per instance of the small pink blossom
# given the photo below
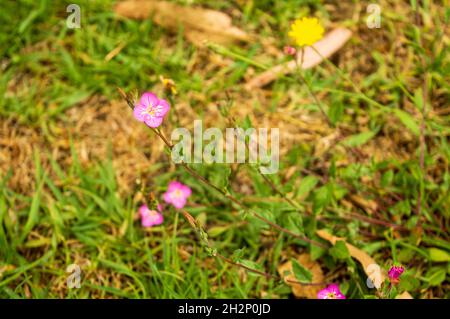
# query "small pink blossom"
(151, 110)
(177, 194)
(331, 292)
(288, 50)
(150, 217)
(395, 272)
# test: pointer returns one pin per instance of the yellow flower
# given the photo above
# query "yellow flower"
(169, 85)
(306, 31)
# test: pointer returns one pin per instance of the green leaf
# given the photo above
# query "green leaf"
(322, 197)
(219, 175)
(408, 283)
(336, 111)
(358, 139)
(301, 273)
(306, 185)
(295, 223)
(237, 254)
(438, 255)
(252, 265)
(340, 250)
(387, 178)
(437, 276)
(316, 252)
(217, 230)
(418, 98)
(407, 120)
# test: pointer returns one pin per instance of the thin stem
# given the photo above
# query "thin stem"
(361, 94)
(196, 227)
(297, 206)
(229, 196)
(311, 92)
(422, 124)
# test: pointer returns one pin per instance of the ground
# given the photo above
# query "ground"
(75, 165)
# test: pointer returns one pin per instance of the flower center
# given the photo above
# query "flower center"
(177, 193)
(150, 110)
(331, 295)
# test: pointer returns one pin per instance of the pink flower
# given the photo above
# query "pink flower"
(151, 110)
(177, 194)
(395, 272)
(288, 50)
(150, 217)
(331, 292)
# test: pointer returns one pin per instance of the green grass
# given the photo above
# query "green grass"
(76, 215)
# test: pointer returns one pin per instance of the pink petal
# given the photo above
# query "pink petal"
(186, 190)
(139, 112)
(334, 288)
(167, 196)
(153, 121)
(173, 186)
(161, 108)
(323, 294)
(154, 218)
(146, 222)
(179, 202)
(340, 296)
(148, 98)
(143, 210)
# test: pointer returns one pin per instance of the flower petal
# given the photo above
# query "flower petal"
(152, 219)
(167, 196)
(333, 288)
(153, 121)
(143, 210)
(161, 108)
(148, 98)
(186, 190)
(173, 186)
(179, 202)
(323, 294)
(139, 112)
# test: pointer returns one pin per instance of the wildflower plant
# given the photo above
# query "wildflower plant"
(177, 194)
(306, 31)
(363, 153)
(151, 110)
(331, 292)
(150, 217)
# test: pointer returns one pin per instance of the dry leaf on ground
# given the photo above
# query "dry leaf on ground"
(376, 275)
(303, 291)
(199, 24)
(370, 206)
(332, 42)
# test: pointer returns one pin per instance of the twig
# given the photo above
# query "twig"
(196, 228)
(311, 92)
(422, 124)
(229, 196)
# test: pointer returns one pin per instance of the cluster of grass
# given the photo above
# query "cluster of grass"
(75, 215)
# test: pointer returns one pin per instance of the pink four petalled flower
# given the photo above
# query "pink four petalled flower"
(395, 272)
(150, 217)
(177, 194)
(331, 292)
(151, 110)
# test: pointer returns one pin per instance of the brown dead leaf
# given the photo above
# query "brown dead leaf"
(404, 295)
(332, 42)
(371, 268)
(6, 268)
(199, 24)
(303, 291)
(368, 205)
